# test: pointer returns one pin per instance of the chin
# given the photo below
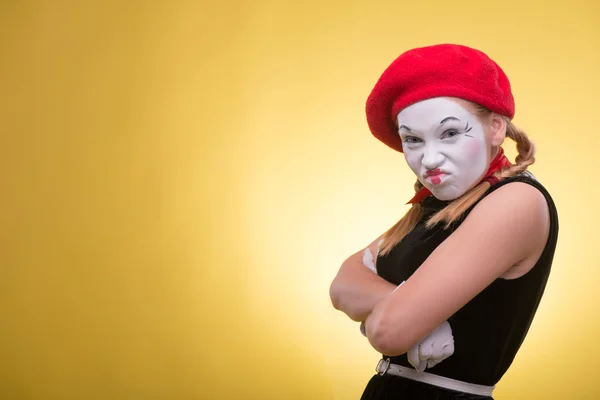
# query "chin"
(445, 198)
(446, 194)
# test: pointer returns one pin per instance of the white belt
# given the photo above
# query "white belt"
(384, 367)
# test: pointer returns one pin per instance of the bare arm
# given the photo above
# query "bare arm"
(356, 289)
(507, 227)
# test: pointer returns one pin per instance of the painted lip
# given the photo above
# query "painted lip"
(434, 173)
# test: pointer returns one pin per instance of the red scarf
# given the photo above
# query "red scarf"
(499, 162)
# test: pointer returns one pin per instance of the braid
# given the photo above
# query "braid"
(406, 224)
(525, 149)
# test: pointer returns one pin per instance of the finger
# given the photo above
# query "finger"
(437, 352)
(421, 367)
(431, 363)
(448, 350)
(368, 260)
(413, 356)
(425, 350)
(363, 329)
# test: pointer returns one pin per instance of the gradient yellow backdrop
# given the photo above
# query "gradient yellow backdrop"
(181, 181)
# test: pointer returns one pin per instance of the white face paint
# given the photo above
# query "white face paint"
(445, 146)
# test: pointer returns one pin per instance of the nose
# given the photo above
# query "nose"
(432, 158)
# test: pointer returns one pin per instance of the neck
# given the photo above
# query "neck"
(494, 152)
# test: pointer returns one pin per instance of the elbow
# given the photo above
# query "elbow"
(387, 338)
(337, 296)
(334, 295)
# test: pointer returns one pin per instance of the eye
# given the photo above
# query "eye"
(450, 133)
(411, 139)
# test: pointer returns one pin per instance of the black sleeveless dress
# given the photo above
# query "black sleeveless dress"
(488, 331)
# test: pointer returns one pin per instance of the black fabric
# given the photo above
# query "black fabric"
(489, 330)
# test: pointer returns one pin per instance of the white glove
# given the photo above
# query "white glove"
(368, 260)
(433, 349)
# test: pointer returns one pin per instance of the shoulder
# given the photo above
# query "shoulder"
(513, 195)
(524, 178)
(518, 213)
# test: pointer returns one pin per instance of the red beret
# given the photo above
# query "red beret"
(444, 70)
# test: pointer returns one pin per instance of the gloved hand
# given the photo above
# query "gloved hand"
(369, 260)
(433, 349)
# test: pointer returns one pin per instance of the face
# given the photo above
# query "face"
(445, 145)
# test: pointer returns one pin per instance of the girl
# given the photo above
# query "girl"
(452, 288)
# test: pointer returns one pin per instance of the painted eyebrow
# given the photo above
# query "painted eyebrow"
(404, 127)
(449, 119)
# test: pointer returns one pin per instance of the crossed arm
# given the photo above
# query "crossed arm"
(356, 290)
(506, 229)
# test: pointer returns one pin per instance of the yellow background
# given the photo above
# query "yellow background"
(181, 180)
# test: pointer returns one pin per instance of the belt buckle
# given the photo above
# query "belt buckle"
(382, 366)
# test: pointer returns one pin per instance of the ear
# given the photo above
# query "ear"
(497, 130)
